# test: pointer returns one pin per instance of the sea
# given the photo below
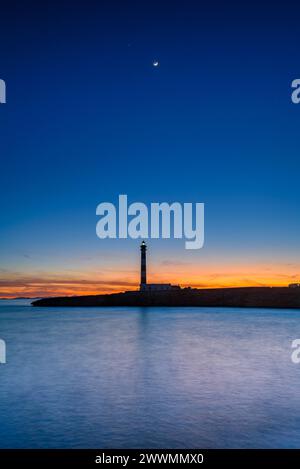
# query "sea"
(148, 377)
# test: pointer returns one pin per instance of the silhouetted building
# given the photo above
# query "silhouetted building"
(144, 286)
(143, 264)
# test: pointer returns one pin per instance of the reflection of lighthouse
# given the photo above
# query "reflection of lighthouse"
(143, 265)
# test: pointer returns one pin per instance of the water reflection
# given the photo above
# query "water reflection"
(149, 377)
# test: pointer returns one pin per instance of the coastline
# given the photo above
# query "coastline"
(248, 297)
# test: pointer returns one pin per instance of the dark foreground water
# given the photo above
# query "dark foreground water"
(148, 377)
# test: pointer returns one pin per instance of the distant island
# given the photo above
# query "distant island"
(165, 294)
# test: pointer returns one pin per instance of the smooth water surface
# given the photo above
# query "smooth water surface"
(148, 377)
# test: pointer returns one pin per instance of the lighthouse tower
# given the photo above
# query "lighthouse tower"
(152, 287)
(143, 266)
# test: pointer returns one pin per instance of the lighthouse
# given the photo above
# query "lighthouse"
(151, 287)
(143, 266)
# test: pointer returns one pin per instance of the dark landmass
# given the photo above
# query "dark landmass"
(20, 298)
(23, 298)
(250, 297)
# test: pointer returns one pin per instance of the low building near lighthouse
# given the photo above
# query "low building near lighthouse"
(159, 287)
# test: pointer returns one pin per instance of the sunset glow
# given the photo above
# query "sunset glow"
(95, 282)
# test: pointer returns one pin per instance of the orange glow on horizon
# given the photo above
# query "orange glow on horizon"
(92, 283)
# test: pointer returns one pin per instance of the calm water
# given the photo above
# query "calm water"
(148, 377)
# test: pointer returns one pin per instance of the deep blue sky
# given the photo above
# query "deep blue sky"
(88, 117)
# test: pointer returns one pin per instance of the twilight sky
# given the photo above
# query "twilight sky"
(88, 117)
